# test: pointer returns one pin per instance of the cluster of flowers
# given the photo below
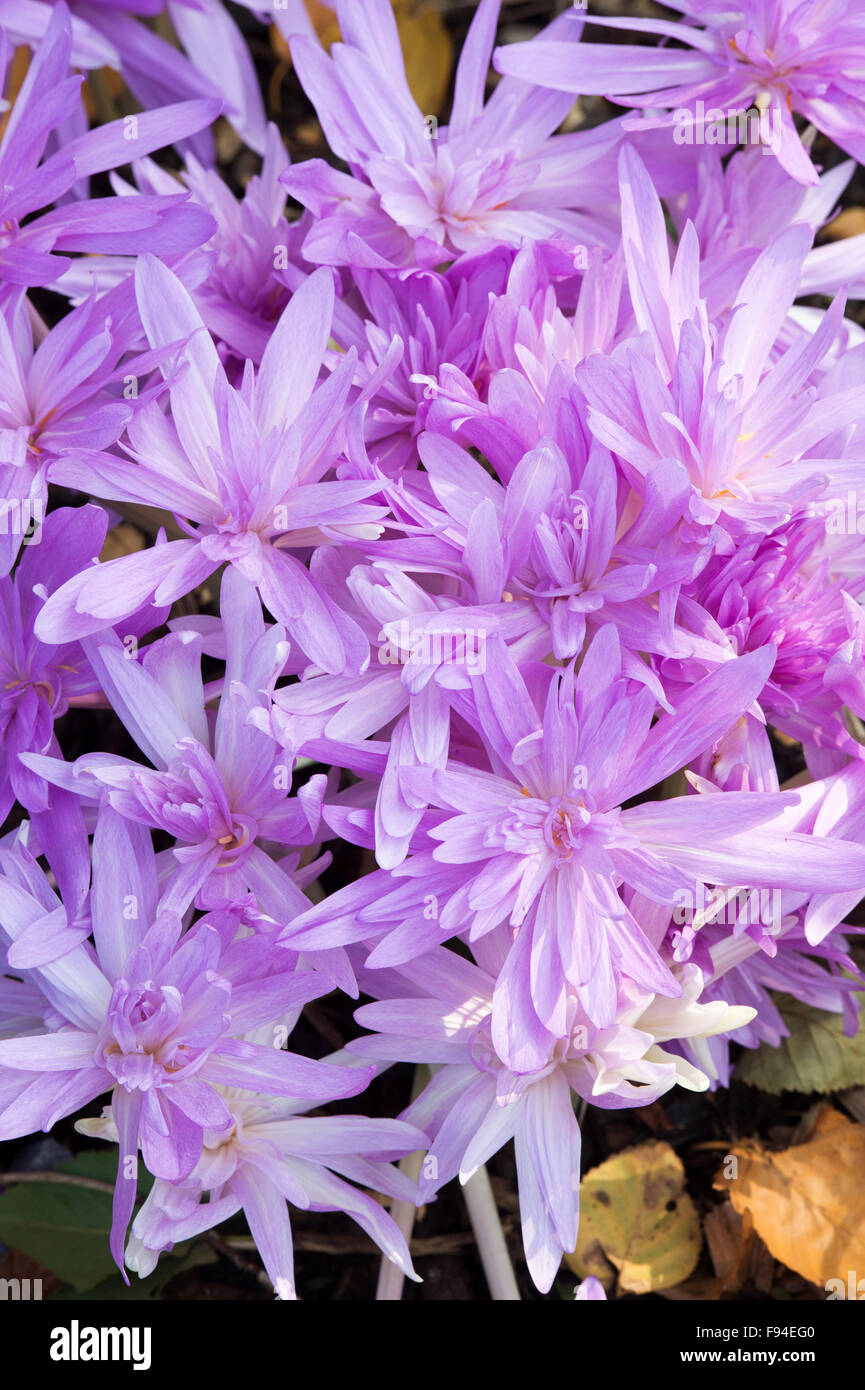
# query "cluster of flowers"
(530, 502)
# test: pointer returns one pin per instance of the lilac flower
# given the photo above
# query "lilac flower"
(154, 1015)
(748, 943)
(747, 429)
(777, 589)
(46, 100)
(436, 316)
(105, 34)
(420, 195)
(205, 465)
(740, 207)
(558, 308)
(528, 507)
(547, 557)
(541, 842)
(423, 645)
(39, 681)
(220, 789)
(474, 1104)
(591, 1290)
(778, 56)
(59, 391)
(274, 1153)
(241, 277)
(254, 260)
(59, 835)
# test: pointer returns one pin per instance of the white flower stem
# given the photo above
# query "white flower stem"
(484, 1216)
(390, 1276)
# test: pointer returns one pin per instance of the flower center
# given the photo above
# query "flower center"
(148, 1040)
(44, 688)
(559, 824)
(564, 826)
(237, 842)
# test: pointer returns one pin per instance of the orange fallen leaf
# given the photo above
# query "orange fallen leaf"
(807, 1203)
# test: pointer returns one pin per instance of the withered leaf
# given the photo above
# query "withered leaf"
(636, 1219)
(807, 1202)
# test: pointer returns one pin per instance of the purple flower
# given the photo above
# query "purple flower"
(528, 510)
(740, 207)
(423, 645)
(204, 464)
(47, 99)
(777, 56)
(475, 1103)
(746, 425)
(241, 277)
(436, 317)
(220, 788)
(778, 589)
(539, 840)
(420, 193)
(155, 1015)
(274, 1153)
(544, 559)
(559, 306)
(105, 34)
(39, 681)
(62, 389)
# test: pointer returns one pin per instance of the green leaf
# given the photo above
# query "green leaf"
(189, 1255)
(815, 1057)
(102, 1165)
(63, 1227)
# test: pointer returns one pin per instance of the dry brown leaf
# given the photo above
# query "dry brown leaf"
(761, 1272)
(228, 142)
(701, 1288)
(426, 44)
(324, 21)
(729, 1236)
(636, 1218)
(808, 1202)
(18, 70)
(101, 93)
(850, 222)
(655, 1118)
(428, 53)
(121, 540)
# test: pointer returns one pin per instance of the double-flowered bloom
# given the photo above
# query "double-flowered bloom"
(151, 1013)
(775, 56)
(504, 520)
